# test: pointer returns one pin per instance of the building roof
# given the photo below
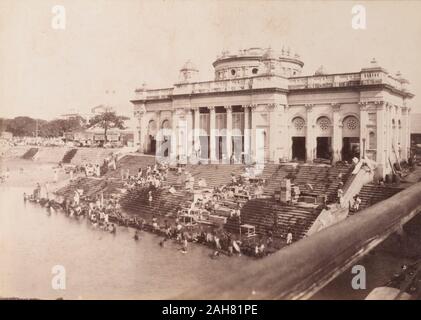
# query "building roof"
(415, 123)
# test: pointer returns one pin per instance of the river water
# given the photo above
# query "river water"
(98, 265)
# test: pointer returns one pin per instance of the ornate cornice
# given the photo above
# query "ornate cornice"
(179, 111)
(309, 106)
(371, 104)
(251, 106)
(274, 106)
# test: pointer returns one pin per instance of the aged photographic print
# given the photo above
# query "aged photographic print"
(210, 150)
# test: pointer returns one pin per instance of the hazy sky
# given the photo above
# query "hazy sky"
(116, 45)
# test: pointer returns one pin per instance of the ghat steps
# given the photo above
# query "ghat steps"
(268, 215)
(371, 194)
(68, 156)
(29, 155)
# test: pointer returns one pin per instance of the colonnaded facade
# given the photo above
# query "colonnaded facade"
(260, 108)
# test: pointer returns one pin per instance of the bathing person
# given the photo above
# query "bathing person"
(289, 238)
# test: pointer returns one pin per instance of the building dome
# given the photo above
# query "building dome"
(270, 54)
(255, 62)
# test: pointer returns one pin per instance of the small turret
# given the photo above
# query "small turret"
(188, 73)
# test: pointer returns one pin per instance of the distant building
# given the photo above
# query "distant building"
(74, 114)
(101, 109)
(260, 105)
(95, 135)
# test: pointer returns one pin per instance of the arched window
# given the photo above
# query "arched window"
(298, 123)
(351, 123)
(351, 127)
(323, 123)
(165, 124)
(152, 127)
(298, 127)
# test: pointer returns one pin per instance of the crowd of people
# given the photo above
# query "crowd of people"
(105, 212)
(35, 141)
(152, 176)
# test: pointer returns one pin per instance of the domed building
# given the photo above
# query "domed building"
(260, 108)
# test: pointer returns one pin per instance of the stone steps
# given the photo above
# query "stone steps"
(68, 156)
(28, 155)
(269, 215)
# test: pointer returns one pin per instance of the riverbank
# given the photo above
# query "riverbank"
(27, 173)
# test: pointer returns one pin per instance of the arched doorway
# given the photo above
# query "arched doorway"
(350, 138)
(323, 138)
(298, 137)
(151, 143)
(165, 147)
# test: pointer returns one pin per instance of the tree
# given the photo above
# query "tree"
(108, 120)
(24, 126)
(57, 127)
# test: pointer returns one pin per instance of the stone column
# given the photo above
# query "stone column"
(139, 135)
(287, 125)
(136, 131)
(229, 132)
(380, 119)
(158, 131)
(174, 134)
(212, 134)
(403, 140)
(142, 134)
(247, 132)
(396, 133)
(363, 129)
(399, 129)
(182, 137)
(310, 136)
(277, 134)
(190, 136)
(253, 132)
(337, 132)
(388, 146)
(196, 128)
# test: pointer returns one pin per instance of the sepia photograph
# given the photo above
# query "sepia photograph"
(210, 150)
